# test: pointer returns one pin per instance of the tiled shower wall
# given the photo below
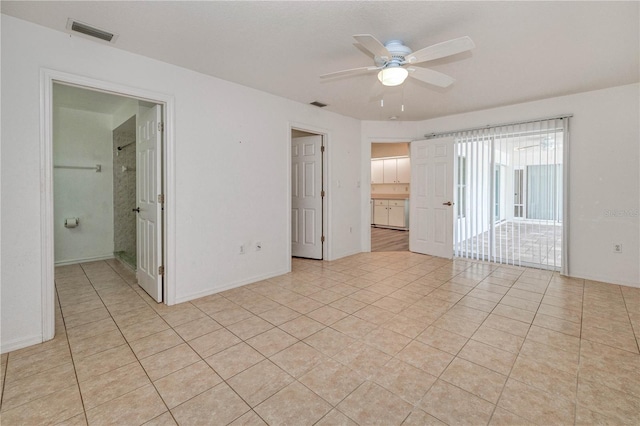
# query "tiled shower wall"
(124, 191)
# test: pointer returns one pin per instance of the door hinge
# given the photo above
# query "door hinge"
(322, 148)
(161, 127)
(161, 198)
(322, 239)
(161, 270)
(322, 193)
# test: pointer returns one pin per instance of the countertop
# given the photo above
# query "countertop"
(389, 196)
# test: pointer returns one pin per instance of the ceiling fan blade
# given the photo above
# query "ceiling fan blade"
(430, 76)
(350, 71)
(373, 45)
(441, 50)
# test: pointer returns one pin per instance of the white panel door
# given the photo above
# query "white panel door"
(431, 198)
(149, 222)
(306, 197)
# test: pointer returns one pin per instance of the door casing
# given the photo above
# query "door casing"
(302, 202)
(326, 204)
(47, 79)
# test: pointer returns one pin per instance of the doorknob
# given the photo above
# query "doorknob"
(448, 203)
(137, 210)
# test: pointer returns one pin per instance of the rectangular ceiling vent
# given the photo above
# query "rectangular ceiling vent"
(318, 104)
(91, 31)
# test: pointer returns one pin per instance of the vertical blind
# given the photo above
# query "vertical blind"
(510, 188)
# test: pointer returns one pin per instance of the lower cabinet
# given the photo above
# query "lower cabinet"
(396, 216)
(391, 213)
(381, 212)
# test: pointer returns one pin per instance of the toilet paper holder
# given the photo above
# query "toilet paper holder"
(71, 222)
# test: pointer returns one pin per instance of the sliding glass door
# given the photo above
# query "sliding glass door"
(509, 184)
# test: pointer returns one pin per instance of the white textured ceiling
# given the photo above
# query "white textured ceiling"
(524, 50)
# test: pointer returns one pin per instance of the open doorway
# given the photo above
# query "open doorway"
(390, 191)
(166, 173)
(107, 182)
(307, 194)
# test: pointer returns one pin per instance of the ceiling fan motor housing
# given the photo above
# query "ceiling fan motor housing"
(398, 52)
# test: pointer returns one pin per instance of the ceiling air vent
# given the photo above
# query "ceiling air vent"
(318, 104)
(91, 31)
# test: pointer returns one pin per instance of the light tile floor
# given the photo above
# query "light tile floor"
(377, 338)
(519, 242)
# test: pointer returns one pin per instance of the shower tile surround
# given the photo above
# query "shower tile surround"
(375, 338)
(124, 192)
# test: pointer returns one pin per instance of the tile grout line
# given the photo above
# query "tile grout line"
(75, 372)
(130, 348)
(516, 360)
(318, 275)
(495, 405)
(575, 407)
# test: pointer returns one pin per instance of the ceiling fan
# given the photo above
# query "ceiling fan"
(393, 60)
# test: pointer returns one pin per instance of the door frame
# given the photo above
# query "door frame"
(366, 192)
(47, 264)
(327, 252)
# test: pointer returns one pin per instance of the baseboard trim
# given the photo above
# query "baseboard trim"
(605, 280)
(230, 286)
(83, 260)
(21, 343)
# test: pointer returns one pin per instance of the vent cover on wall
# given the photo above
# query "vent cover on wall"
(91, 31)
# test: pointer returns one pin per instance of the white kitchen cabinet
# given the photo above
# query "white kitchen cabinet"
(396, 215)
(403, 171)
(380, 212)
(391, 213)
(390, 169)
(377, 171)
(394, 170)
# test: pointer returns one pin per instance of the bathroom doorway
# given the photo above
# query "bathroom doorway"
(108, 187)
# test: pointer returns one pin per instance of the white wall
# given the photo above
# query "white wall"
(82, 138)
(125, 112)
(603, 170)
(223, 133)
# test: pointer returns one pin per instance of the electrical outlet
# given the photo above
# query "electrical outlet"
(258, 246)
(241, 251)
(617, 248)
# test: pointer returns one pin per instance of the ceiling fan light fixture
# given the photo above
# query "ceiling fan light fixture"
(392, 76)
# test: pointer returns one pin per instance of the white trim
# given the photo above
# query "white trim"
(46, 207)
(21, 343)
(327, 251)
(47, 78)
(232, 285)
(84, 260)
(566, 188)
(606, 280)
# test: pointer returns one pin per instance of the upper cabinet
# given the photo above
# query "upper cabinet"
(403, 171)
(377, 171)
(392, 170)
